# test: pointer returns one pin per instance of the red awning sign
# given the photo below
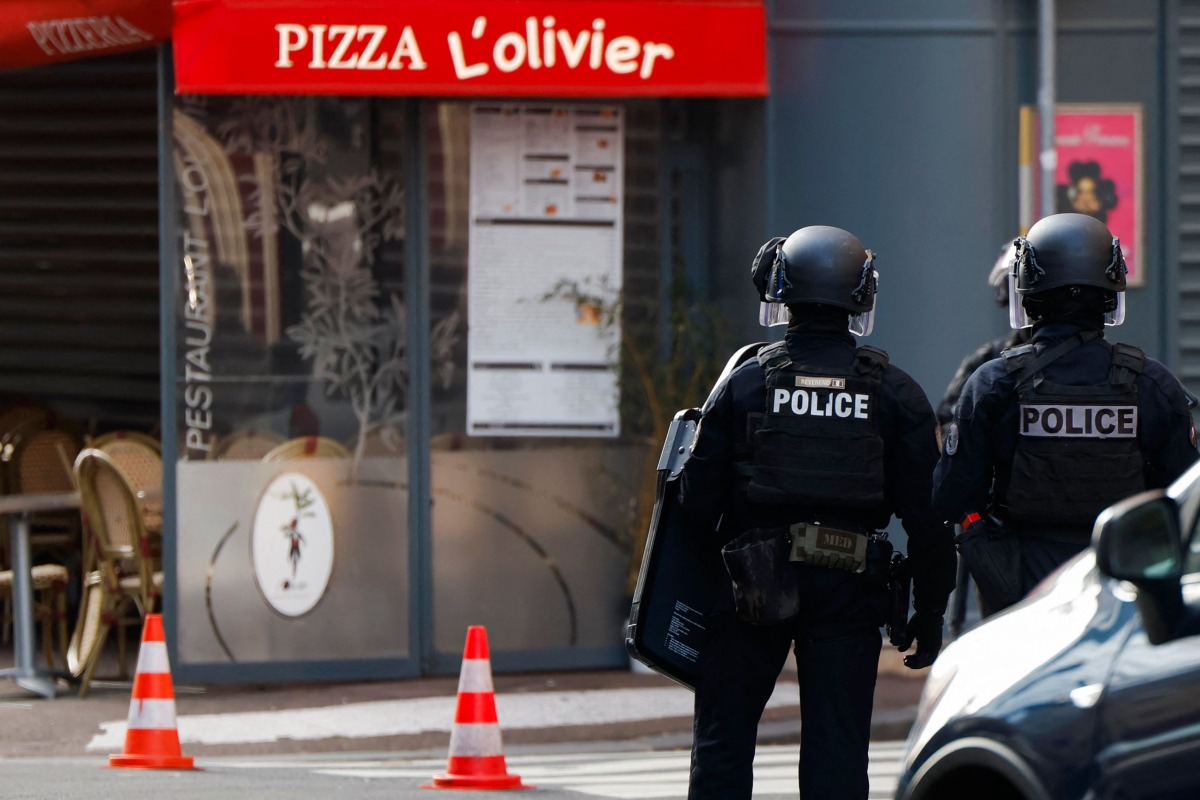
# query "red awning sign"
(468, 47)
(37, 32)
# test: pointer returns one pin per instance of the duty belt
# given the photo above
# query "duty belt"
(833, 548)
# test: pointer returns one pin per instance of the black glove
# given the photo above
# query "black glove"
(926, 628)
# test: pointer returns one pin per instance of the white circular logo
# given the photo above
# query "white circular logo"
(291, 545)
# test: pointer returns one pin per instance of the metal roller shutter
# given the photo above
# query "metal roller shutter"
(79, 321)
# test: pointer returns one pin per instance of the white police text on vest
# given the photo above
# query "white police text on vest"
(1095, 422)
(804, 402)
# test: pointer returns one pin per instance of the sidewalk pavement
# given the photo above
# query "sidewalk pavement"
(624, 707)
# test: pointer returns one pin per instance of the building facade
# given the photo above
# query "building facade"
(485, 304)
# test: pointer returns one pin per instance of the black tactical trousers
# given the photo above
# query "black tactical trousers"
(837, 663)
(1040, 557)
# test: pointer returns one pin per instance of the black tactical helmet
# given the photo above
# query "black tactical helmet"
(1065, 261)
(817, 264)
(1068, 250)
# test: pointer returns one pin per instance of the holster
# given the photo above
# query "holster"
(766, 585)
(993, 557)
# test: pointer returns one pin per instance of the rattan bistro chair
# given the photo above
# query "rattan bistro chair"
(17, 424)
(308, 447)
(49, 604)
(44, 464)
(140, 459)
(245, 445)
(385, 442)
(121, 582)
(102, 441)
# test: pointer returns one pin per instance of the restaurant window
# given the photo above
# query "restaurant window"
(291, 379)
(544, 274)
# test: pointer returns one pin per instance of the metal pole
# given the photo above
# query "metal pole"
(1048, 158)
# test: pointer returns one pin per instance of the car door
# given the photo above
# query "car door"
(1150, 720)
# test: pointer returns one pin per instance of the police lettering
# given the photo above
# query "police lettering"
(805, 402)
(1093, 422)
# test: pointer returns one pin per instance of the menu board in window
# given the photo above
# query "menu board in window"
(544, 269)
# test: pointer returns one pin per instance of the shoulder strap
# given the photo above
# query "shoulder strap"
(1127, 363)
(870, 360)
(1029, 368)
(774, 356)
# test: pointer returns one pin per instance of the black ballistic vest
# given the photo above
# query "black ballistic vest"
(818, 440)
(1077, 447)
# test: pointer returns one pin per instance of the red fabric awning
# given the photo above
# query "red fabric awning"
(37, 32)
(584, 48)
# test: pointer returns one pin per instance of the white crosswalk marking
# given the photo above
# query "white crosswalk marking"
(620, 776)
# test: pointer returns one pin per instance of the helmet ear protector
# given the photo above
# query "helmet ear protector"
(868, 283)
(766, 264)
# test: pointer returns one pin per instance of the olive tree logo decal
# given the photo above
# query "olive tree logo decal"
(291, 545)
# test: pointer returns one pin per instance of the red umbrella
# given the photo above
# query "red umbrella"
(36, 32)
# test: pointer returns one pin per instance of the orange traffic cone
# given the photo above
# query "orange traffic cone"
(476, 750)
(151, 740)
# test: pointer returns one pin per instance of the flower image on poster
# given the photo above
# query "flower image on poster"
(1098, 171)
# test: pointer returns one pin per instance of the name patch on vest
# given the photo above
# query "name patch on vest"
(1093, 422)
(803, 402)
(818, 382)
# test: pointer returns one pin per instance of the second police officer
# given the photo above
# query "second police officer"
(825, 440)
(1054, 431)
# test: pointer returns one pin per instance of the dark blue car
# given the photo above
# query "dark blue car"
(1088, 689)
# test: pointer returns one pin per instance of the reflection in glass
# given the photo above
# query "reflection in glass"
(1143, 545)
(291, 309)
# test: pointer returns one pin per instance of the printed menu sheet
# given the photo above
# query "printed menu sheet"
(544, 269)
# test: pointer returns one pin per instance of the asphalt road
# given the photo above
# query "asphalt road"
(575, 772)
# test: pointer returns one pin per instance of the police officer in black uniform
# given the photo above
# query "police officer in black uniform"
(813, 430)
(1054, 431)
(998, 282)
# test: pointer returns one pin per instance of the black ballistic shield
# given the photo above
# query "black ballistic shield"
(676, 588)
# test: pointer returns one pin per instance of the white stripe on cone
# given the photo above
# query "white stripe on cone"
(153, 658)
(476, 676)
(152, 714)
(476, 740)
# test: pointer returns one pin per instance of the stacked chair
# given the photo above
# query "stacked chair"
(35, 457)
(122, 579)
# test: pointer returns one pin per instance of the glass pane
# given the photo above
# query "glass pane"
(292, 377)
(539, 447)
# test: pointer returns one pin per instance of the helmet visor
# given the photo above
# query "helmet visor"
(1017, 318)
(862, 323)
(1117, 315)
(772, 314)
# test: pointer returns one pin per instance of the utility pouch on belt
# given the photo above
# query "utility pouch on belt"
(766, 587)
(993, 557)
(832, 548)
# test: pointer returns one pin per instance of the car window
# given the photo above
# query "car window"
(1191, 563)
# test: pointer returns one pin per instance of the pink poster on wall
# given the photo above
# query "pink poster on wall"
(1099, 172)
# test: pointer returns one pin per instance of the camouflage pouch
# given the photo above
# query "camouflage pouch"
(766, 586)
